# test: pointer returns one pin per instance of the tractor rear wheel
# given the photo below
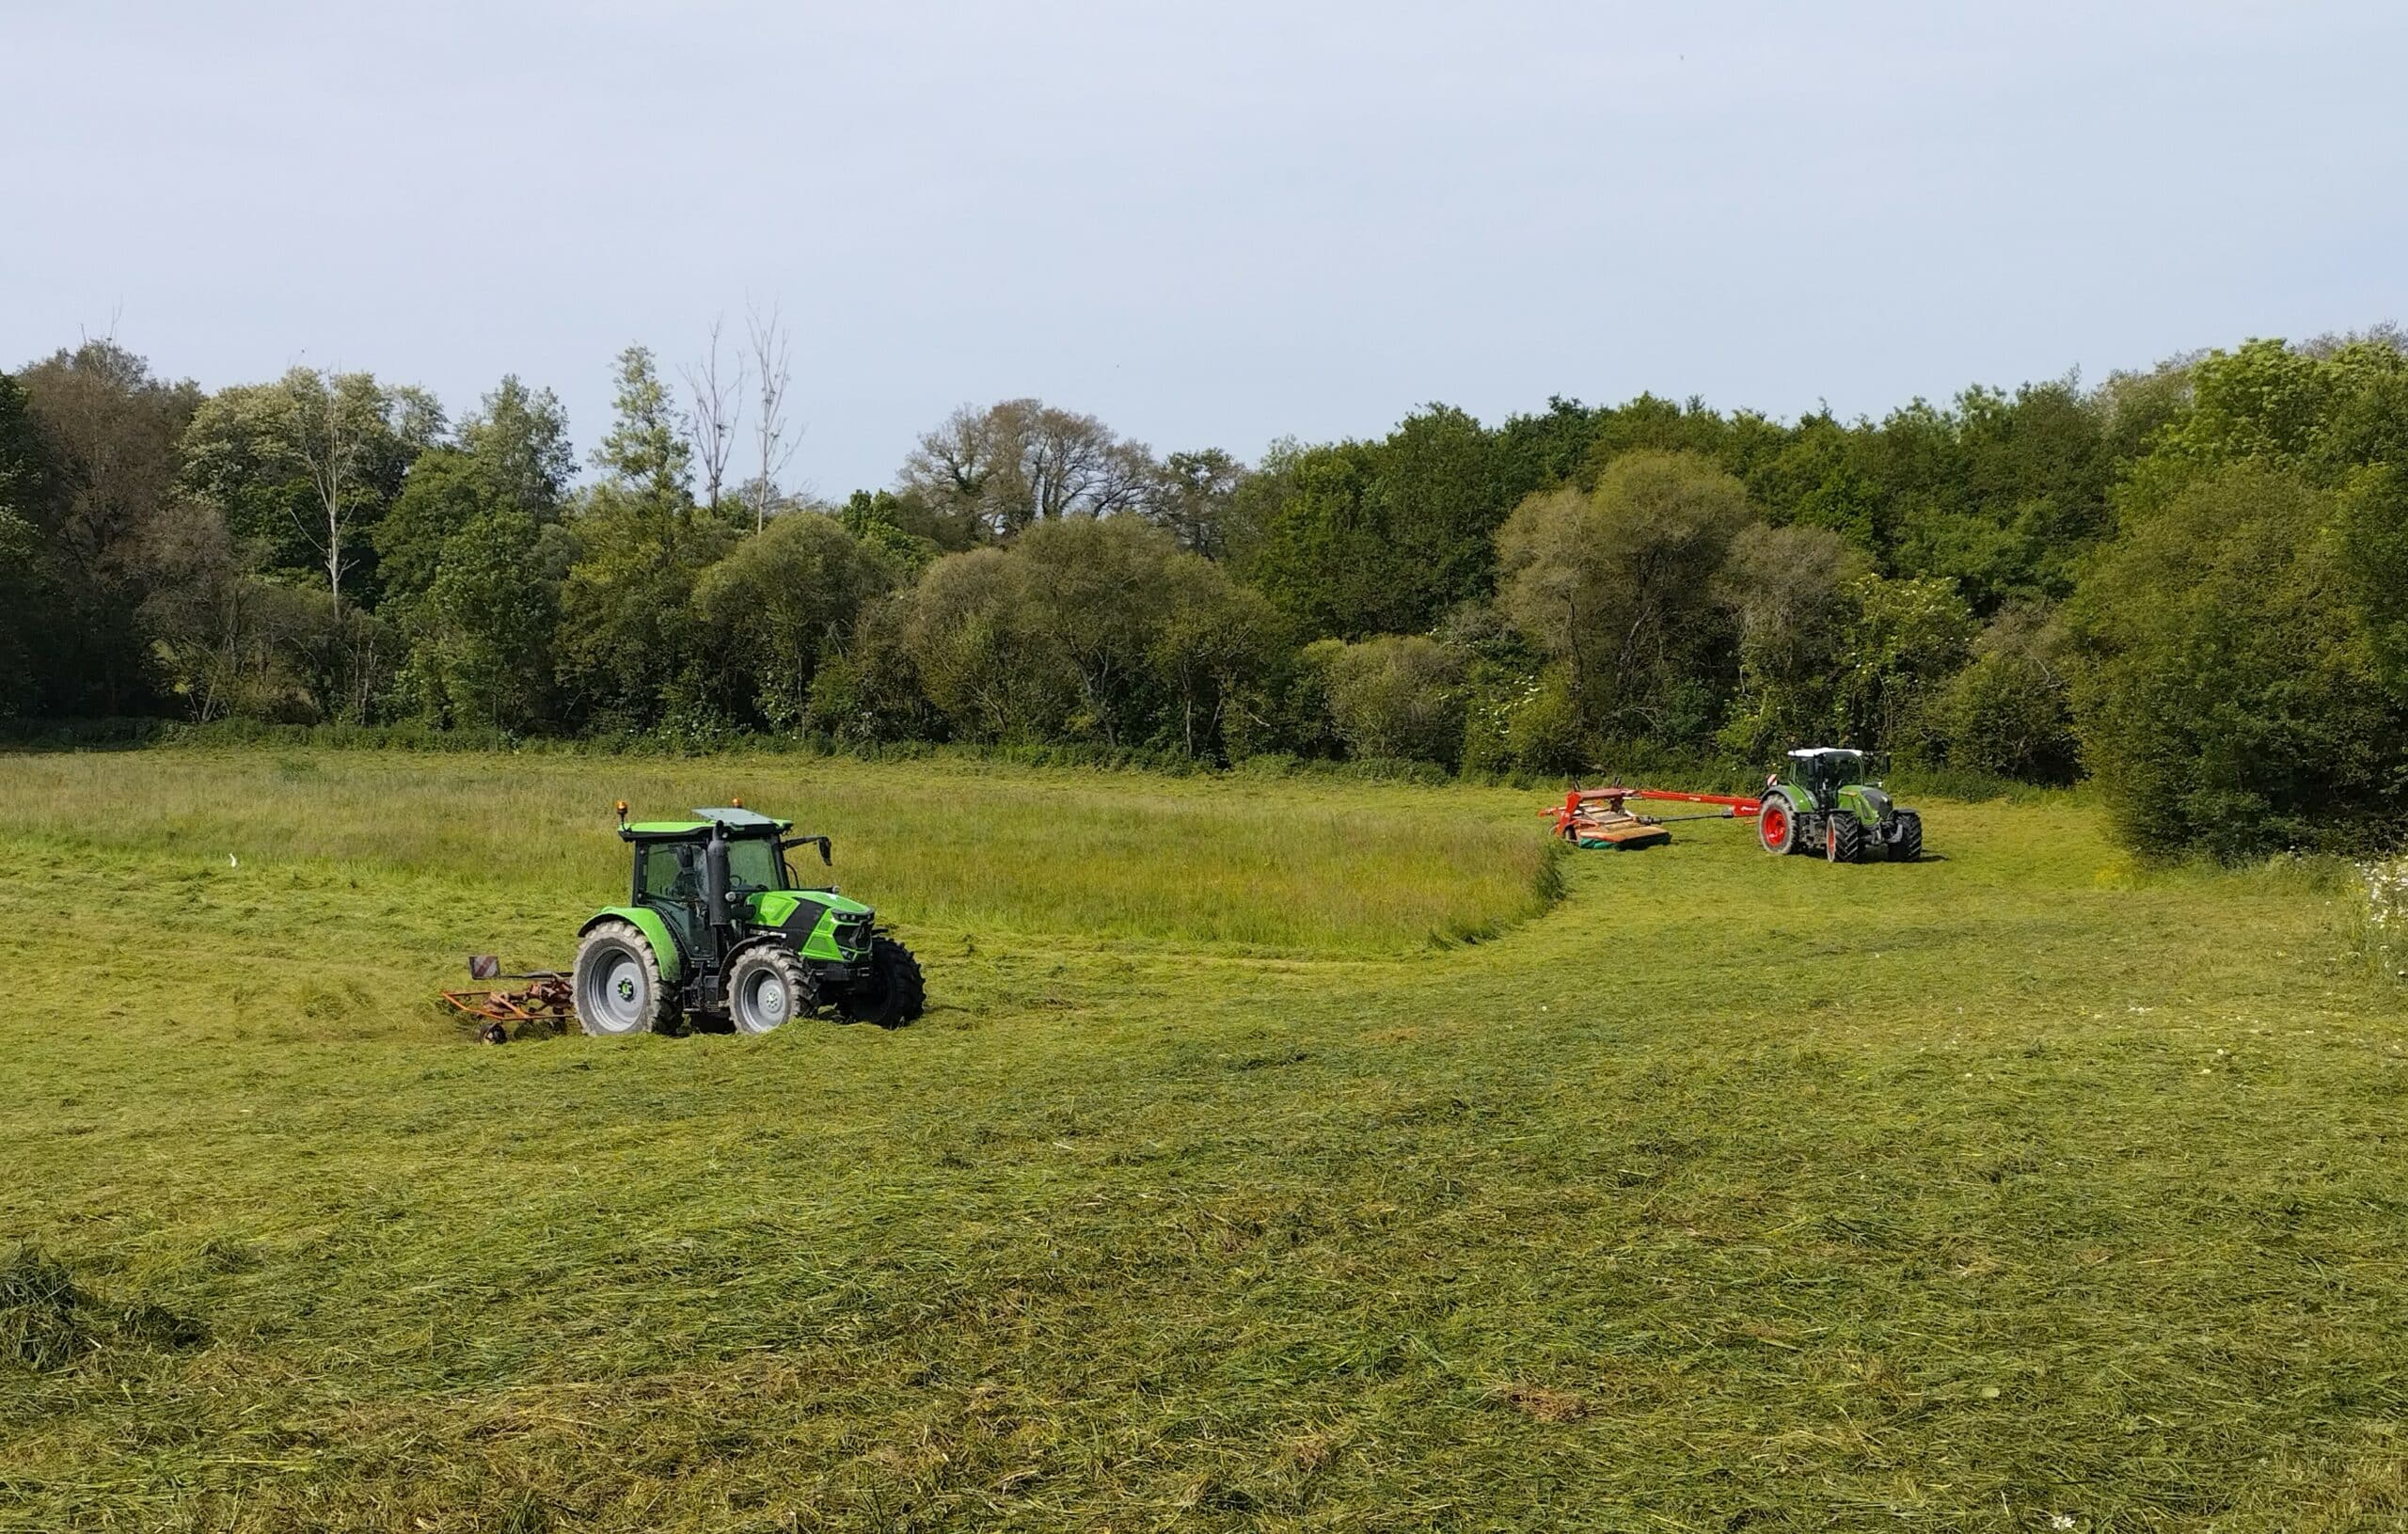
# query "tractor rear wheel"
(768, 987)
(893, 995)
(1777, 825)
(1844, 837)
(617, 984)
(1909, 846)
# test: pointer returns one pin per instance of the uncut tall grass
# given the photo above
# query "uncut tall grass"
(1339, 866)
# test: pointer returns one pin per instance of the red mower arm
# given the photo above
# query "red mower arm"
(1740, 804)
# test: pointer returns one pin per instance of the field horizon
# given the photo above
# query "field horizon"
(1276, 1154)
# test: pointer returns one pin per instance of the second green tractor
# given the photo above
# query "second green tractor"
(1822, 802)
(719, 934)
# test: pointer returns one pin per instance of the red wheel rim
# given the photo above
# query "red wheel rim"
(1774, 825)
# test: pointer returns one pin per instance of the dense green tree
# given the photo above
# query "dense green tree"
(1395, 696)
(1095, 596)
(103, 476)
(445, 491)
(870, 691)
(518, 438)
(24, 589)
(1904, 640)
(1360, 538)
(1023, 461)
(1618, 584)
(901, 527)
(482, 630)
(968, 633)
(2371, 529)
(1220, 650)
(1793, 592)
(2228, 701)
(628, 643)
(646, 453)
(2009, 712)
(308, 465)
(1194, 497)
(778, 606)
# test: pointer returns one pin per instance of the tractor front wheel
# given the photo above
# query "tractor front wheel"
(893, 995)
(617, 984)
(768, 987)
(1909, 846)
(1777, 825)
(1844, 837)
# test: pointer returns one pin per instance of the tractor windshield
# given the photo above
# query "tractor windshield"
(752, 864)
(1828, 772)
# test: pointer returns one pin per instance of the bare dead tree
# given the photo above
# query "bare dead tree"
(327, 443)
(772, 364)
(718, 403)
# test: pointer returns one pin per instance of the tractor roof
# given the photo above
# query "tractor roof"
(733, 821)
(1827, 750)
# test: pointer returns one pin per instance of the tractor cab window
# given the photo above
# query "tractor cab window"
(672, 872)
(1828, 772)
(752, 864)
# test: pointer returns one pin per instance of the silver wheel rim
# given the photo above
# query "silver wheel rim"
(616, 997)
(766, 1001)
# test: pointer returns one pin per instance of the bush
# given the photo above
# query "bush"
(2228, 701)
(1397, 695)
(2009, 714)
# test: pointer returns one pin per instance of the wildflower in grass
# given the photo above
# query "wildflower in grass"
(2383, 934)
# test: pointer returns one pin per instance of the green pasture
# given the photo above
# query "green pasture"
(1277, 1154)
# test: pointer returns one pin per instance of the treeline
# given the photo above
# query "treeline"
(2190, 582)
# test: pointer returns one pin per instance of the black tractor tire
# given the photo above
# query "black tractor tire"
(617, 984)
(893, 995)
(1777, 825)
(1843, 837)
(1909, 846)
(768, 987)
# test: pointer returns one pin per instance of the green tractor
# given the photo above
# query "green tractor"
(1822, 802)
(717, 933)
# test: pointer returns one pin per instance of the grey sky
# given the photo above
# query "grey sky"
(1209, 223)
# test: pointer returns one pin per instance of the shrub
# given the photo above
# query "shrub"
(1397, 695)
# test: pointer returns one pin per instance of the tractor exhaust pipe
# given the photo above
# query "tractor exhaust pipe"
(715, 880)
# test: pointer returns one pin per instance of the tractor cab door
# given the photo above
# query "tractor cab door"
(669, 880)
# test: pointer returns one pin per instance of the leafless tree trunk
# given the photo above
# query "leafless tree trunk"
(772, 363)
(718, 403)
(330, 451)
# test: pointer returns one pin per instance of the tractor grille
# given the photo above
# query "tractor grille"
(853, 936)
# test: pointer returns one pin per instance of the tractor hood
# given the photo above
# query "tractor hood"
(778, 908)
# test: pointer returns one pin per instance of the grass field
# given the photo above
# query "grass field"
(1281, 1155)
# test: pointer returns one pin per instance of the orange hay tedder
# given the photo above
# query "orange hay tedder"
(1594, 818)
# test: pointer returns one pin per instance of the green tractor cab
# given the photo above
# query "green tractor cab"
(719, 933)
(1823, 801)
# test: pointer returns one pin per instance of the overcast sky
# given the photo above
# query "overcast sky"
(1211, 224)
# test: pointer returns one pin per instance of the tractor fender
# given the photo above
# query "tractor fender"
(664, 948)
